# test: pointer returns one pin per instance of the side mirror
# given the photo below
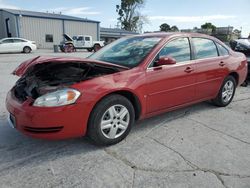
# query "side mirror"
(166, 60)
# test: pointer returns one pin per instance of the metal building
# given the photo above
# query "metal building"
(110, 34)
(44, 28)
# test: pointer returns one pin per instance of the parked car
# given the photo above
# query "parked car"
(80, 42)
(130, 79)
(242, 45)
(16, 45)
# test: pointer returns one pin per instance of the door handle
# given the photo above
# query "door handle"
(188, 70)
(222, 63)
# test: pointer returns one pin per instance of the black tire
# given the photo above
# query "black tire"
(97, 47)
(26, 49)
(96, 133)
(90, 49)
(219, 100)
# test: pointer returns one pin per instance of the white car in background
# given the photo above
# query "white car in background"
(16, 45)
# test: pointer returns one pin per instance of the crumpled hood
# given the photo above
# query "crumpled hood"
(23, 67)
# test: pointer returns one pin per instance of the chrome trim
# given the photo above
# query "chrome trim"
(191, 60)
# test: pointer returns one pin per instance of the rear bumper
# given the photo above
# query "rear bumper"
(47, 123)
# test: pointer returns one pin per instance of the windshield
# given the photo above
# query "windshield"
(127, 52)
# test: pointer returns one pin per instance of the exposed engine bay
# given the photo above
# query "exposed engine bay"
(50, 76)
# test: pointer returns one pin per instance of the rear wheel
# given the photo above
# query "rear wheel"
(226, 93)
(26, 49)
(111, 120)
(97, 47)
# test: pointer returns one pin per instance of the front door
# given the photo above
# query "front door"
(171, 85)
(79, 42)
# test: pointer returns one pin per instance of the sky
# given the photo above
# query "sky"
(185, 14)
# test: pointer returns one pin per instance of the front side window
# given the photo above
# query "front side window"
(179, 49)
(80, 39)
(222, 50)
(128, 52)
(204, 48)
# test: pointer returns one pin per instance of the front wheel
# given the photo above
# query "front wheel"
(89, 49)
(111, 120)
(226, 93)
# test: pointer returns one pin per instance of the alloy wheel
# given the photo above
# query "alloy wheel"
(115, 121)
(227, 91)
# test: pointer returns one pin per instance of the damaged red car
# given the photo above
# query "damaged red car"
(130, 79)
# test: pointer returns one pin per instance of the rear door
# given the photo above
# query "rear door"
(88, 43)
(19, 44)
(210, 66)
(171, 85)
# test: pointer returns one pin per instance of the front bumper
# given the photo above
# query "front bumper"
(47, 123)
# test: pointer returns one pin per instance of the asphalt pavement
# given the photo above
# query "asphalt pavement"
(198, 146)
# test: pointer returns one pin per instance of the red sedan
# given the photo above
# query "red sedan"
(130, 79)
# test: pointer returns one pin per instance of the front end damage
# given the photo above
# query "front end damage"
(41, 78)
(48, 77)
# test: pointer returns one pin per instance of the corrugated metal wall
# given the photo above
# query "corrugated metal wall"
(12, 24)
(2, 25)
(36, 28)
(81, 28)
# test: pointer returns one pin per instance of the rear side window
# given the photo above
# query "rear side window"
(204, 48)
(222, 50)
(179, 49)
(19, 40)
(87, 38)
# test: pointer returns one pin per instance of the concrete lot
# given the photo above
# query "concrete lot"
(198, 146)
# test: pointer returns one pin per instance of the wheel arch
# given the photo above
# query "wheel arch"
(236, 76)
(97, 44)
(133, 98)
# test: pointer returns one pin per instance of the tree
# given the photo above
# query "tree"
(237, 32)
(129, 15)
(165, 27)
(174, 28)
(209, 26)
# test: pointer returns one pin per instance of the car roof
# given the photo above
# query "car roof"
(14, 38)
(175, 34)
